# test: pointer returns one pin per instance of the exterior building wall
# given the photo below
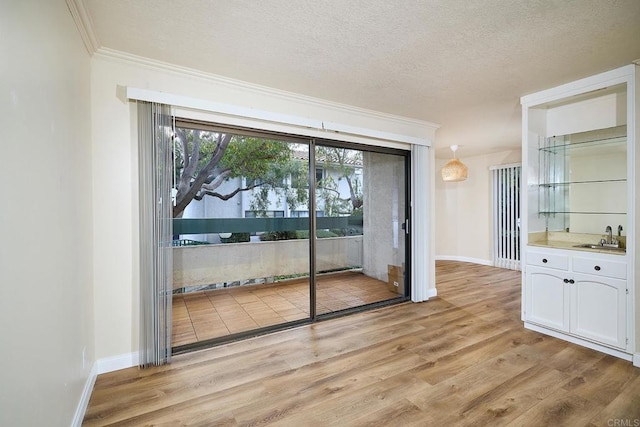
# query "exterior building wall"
(384, 208)
(236, 207)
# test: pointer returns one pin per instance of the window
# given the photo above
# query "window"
(265, 214)
(305, 214)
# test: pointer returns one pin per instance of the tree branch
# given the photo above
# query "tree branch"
(183, 198)
(185, 147)
(355, 202)
(201, 194)
(184, 180)
(329, 189)
(190, 168)
(217, 182)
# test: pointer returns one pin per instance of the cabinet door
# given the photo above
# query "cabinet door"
(598, 309)
(546, 295)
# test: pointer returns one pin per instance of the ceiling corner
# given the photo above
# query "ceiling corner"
(82, 19)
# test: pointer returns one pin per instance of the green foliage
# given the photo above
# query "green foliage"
(300, 234)
(257, 159)
(290, 276)
(278, 235)
(204, 160)
(327, 192)
(297, 193)
(254, 158)
(237, 238)
(260, 201)
(345, 162)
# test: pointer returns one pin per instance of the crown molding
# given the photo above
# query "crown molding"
(82, 19)
(108, 53)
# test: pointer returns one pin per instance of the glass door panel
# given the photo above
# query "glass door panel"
(360, 239)
(241, 248)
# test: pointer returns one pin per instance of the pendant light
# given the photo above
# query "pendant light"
(454, 170)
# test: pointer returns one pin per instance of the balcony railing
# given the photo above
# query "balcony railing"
(235, 264)
(256, 225)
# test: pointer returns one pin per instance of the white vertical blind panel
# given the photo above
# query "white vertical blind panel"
(510, 222)
(155, 157)
(422, 265)
(506, 200)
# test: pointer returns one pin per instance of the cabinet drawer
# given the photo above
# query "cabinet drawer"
(541, 259)
(597, 267)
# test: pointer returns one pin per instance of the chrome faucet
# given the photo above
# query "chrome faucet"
(610, 231)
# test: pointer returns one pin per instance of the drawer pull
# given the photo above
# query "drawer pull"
(572, 281)
(566, 280)
(596, 268)
(544, 260)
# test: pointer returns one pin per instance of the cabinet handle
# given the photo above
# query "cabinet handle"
(596, 268)
(572, 281)
(566, 280)
(544, 260)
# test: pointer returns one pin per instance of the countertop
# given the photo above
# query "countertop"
(561, 240)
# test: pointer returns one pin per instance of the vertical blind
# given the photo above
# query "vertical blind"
(506, 218)
(156, 263)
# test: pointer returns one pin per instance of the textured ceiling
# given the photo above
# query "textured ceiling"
(460, 63)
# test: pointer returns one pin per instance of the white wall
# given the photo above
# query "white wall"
(115, 172)
(46, 307)
(463, 224)
(595, 113)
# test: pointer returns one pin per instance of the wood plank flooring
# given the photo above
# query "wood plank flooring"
(462, 358)
(216, 313)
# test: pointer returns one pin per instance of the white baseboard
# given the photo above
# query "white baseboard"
(636, 360)
(433, 292)
(464, 259)
(579, 341)
(84, 398)
(115, 363)
(101, 366)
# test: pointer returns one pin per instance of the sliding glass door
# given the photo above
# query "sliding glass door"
(360, 244)
(241, 251)
(272, 230)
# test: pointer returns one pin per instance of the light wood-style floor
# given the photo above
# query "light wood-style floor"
(200, 316)
(462, 358)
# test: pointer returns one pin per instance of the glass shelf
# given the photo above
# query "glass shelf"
(602, 139)
(582, 180)
(564, 146)
(580, 213)
(597, 181)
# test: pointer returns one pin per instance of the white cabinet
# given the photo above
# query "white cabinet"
(547, 299)
(588, 306)
(598, 309)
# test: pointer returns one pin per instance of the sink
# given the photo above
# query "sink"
(600, 247)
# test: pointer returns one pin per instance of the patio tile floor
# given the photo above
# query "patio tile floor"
(215, 313)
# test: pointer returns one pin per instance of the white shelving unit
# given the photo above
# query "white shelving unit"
(579, 177)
